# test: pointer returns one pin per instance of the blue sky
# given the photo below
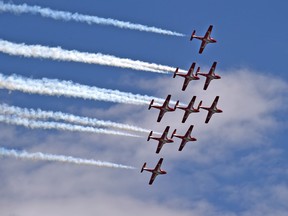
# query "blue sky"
(238, 166)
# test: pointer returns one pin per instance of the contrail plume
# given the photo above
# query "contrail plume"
(54, 87)
(39, 156)
(47, 115)
(57, 125)
(57, 53)
(68, 16)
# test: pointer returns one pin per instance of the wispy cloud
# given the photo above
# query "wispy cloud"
(68, 16)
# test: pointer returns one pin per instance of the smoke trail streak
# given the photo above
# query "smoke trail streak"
(58, 126)
(68, 16)
(57, 53)
(54, 87)
(46, 115)
(39, 156)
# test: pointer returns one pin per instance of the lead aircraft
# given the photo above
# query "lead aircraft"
(164, 108)
(209, 76)
(188, 77)
(212, 109)
(205, 40)
(155, 172)
(162, 140)
(190, 109)
(186, 138)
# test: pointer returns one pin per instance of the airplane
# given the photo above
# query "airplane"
(162, 140)
(164, 108)
(186, 138)
(205, 40)
(155, 172)
(209, 76)
(212, 109)
(190, 109)
(188, 77)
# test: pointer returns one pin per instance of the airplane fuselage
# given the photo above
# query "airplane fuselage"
(210, 76)
(156, 171)
(212, 109)
(207, 40)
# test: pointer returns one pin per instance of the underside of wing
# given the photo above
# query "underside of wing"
(159, 164)
(212, 70)
(214, 104)
(209, 115)
(185, 84)
(166, 102)
(159, 147)
(183, 143)
(186, 114)
(207, 82)
(208, 33)
(202, 47)
(152, 178)
(161, 113)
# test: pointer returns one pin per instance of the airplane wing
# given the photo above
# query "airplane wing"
(183, 143)
(207, 82)
(164, 135)
(166, 102)
(192, 102)
(159, 147)
(161, 113)
(202, 47)
(215, 102)
(209, 115)
(185, 84)
(186, 115)
(208, 33)
(212, 69)
(189, 131)
(154, 175)
(191, 69)
(159, 164)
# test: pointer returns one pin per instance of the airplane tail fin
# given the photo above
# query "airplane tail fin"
(176, 105)
(192, 35)
(144, 165)
(197, 71)
(174, 132)
(175, 73)
(199, 105)
(151, 103)
(150, 134)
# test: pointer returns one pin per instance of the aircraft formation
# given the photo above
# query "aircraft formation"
(187, 137)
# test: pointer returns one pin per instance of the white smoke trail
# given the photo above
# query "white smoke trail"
(68, 16)
(57, 53)
(39, 156)
(58, 126)
(56, 87)
(46, 115)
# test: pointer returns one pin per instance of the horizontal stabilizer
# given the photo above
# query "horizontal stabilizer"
(174, 132)
(175, 73)
(197, 71)
(151, 103)
(150, 134)
(144, 165)
(192, 35)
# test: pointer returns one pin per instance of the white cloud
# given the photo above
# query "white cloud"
(198, 176)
